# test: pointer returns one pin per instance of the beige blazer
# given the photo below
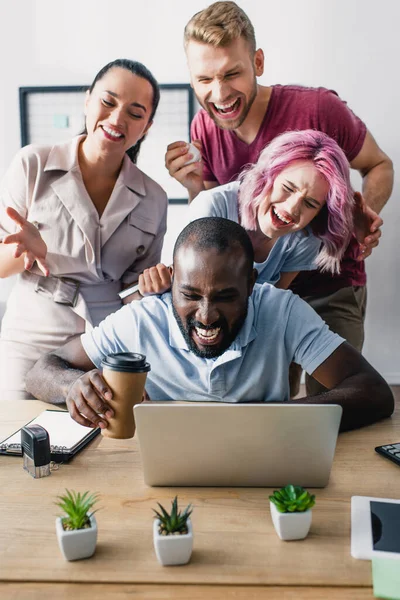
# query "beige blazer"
(89, 257)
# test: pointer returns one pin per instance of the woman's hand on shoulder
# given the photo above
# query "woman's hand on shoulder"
(28, 241)
(155, 280)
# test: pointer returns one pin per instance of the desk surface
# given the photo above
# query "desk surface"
(234, 540)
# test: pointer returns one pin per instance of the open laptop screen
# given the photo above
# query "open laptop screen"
(219, 444)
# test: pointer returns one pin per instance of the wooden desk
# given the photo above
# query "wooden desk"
(235, 545)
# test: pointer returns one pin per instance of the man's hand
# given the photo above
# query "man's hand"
(367, 225)
(190, 176)
(155, 280)
(87, 400)
(145, 397)
(28, 241)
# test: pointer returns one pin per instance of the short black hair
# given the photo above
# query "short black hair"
(216, 232)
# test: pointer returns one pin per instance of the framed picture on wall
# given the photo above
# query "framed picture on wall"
(53, 114)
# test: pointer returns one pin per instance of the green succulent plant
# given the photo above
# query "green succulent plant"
(76, 507)
(292, 498)
(175, 522)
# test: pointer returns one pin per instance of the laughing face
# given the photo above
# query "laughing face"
(224, 80)
(210, 292)
(298, 194)
(118, 111)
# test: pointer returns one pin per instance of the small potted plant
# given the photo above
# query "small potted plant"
(291, 512)
(77, 528)
(173, 534)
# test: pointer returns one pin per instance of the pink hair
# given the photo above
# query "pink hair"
(334, 224)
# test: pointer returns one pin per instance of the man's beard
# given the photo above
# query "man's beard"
(236, 124)
(210, 351)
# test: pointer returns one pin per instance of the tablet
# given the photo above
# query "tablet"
(375, 527)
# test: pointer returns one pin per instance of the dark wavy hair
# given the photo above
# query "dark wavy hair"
(136, 68)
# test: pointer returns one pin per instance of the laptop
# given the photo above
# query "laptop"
(249, 445)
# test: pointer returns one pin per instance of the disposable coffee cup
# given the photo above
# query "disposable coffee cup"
(125, 373)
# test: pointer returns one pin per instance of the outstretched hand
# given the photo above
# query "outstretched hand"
(367, 224)
(28, 241)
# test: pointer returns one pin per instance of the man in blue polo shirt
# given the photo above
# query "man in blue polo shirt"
(216, 336)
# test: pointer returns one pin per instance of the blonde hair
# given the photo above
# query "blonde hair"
(219, 25)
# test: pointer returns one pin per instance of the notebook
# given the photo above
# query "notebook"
(221, 444)
(67, 436)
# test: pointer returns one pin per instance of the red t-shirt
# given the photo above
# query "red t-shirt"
(290, 107)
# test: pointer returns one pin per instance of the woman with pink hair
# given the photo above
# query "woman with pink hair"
(296, 203)
(301, 182)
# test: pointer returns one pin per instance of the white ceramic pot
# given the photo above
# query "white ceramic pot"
(77, 544)
(173, 549)
(291, 526)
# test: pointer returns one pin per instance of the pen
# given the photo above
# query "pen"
(128, 291)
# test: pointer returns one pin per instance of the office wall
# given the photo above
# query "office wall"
(348, 45)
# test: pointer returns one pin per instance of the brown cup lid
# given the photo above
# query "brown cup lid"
(128, 362)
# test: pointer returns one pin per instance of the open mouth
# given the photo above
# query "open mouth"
(111, 134)
(281, 219)
(227, 110)
(207, 337)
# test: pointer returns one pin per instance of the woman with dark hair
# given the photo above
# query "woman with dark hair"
(88, 221)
